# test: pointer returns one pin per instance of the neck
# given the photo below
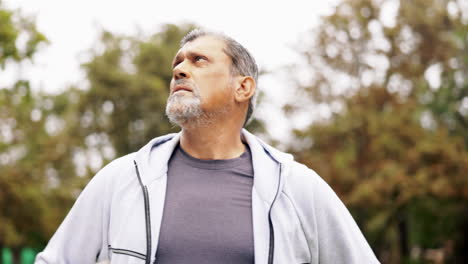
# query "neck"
(212, 142)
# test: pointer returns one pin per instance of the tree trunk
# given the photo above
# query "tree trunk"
(461, 247)
(403, 236)
(1, 253)
(16, 252)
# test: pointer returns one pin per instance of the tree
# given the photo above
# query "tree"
(32, 156)
(128, 88)
(393, 75)
(21, 197)
(14, 26)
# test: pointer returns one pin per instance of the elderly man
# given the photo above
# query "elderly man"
(213, 193)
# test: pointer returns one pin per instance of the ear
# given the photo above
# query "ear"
(244, 89)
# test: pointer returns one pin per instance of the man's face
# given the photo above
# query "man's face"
(201, 82)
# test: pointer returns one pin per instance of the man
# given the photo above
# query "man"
(213, 193)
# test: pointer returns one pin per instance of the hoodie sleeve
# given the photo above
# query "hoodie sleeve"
(333, 235)
(82, 236)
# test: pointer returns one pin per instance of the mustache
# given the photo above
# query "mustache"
(184, 82)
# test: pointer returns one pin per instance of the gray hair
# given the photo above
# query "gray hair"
(243, 62)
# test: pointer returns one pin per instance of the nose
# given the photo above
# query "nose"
(180, 72)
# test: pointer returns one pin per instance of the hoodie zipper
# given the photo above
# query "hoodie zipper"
(147, 216)
(271, 250)
(148, 220)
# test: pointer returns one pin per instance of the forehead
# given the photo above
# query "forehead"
(208, 45)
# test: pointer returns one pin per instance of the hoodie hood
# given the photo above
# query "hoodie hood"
(152, 160)
(153, 157)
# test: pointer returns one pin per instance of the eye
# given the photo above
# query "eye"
(199, 58)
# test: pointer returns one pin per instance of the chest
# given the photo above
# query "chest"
(128, 232)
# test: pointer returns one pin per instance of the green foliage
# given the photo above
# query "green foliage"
(13, 27)
(22, 196)
(37, 168)
(396, 138)
(128, 89)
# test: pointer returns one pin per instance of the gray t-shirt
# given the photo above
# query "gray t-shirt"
(207, 215)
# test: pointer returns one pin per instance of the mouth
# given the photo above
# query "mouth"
(179, 88)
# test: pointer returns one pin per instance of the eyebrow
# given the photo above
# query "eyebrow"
(176, 58)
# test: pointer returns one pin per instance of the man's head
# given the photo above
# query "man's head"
(212, 73)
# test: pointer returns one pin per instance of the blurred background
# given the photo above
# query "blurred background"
(372, 94)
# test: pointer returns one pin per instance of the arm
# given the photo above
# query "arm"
(340, 239)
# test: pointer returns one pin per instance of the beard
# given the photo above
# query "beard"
(183, 109)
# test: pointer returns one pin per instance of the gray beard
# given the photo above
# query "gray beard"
(185, 111)
(182, 109)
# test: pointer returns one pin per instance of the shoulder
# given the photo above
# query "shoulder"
(298, 182)
(125, 164)
(119, 164)
(304, 182)
(123, 167)
(298, 179)
(108, 176)
(313, 196)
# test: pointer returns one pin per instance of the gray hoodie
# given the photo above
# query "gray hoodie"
(297, 218)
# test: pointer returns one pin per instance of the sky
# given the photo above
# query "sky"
(268, 29)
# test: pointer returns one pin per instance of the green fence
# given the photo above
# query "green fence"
(26, 256)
